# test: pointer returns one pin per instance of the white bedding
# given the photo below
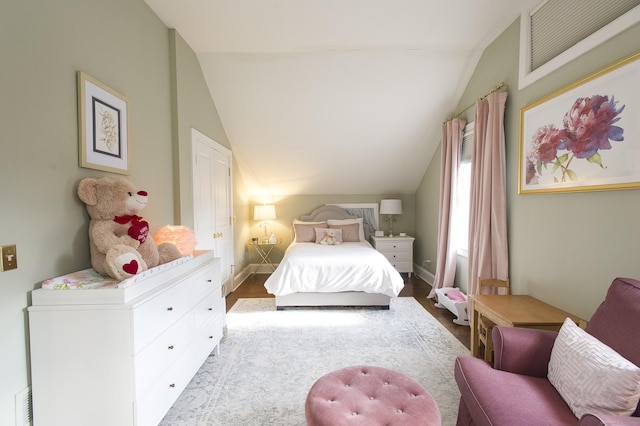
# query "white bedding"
(351, 266)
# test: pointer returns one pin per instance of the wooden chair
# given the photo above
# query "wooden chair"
(501, 286)
(485, 326)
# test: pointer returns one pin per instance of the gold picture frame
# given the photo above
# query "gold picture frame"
(103, 126)
(586, 136)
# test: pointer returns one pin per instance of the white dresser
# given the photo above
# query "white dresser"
(399, 251)
(122, 356)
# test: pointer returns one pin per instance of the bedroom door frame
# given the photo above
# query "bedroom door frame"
(213, 202)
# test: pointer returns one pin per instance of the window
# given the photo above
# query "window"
(463, 193)
(554, 32)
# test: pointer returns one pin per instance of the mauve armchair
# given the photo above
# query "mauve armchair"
(516, 390)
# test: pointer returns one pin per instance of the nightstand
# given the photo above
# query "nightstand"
(264, 250)
(399, 251)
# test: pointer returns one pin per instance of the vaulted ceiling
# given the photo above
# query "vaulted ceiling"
(336, 96)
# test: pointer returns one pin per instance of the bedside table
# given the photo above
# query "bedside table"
(264, 250)
(399, 251)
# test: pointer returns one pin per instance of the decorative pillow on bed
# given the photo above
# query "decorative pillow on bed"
(305, 231)
(328, 237)
(350, 233)
(349, 222)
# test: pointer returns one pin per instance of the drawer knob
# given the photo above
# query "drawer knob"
(210, 337)
(170, 308)
(172, 385)
(209, 281)
(170, 347)
(210, 309)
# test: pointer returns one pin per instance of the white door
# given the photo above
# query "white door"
(212, 202)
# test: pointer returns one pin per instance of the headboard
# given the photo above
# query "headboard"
(368, 211)
(327, 212)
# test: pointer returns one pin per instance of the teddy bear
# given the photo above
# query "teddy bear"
(119, 240)
(329, 238)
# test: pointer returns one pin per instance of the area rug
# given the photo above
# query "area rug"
(269, 359)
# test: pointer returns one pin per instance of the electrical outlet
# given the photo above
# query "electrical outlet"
(9, 258)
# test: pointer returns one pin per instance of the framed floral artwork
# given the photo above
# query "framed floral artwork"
(586, 136)
(103, 127)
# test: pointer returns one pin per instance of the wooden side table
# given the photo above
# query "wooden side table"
(514, 311)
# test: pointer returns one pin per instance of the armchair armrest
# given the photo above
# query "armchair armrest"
(608, 420)
(522, 350)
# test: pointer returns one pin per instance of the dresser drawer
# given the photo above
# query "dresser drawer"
(397, 256)
(162, 352)
(157, 314)
(207, 309)
(153, 406)
(206, 281)
(393, 246)
(208, 336)
(210, 331)
(402, 266)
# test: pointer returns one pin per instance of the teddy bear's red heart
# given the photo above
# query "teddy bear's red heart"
(131, 267)
(139, 231)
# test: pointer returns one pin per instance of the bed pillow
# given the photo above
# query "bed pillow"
(349, 222)
(329, 237)
(590, 376)
(350, 233)
(304, 232)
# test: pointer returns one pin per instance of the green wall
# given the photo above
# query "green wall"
(564, 249)
(124, 45)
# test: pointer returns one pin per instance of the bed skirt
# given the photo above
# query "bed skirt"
(345, 298)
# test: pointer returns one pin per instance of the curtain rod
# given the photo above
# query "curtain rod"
(495, 89)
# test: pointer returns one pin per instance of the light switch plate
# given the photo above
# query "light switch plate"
(9, 258)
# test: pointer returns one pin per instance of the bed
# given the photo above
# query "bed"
(350, 273)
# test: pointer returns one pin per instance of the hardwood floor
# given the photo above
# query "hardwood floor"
(413, 287)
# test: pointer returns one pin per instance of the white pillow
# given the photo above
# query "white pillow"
(349, 222)
(590, 376)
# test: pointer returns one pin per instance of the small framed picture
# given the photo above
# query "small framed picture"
(103, 127)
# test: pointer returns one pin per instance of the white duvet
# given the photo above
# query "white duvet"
(354, 266)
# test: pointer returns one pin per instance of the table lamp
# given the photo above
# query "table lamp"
(180, 236)
(391, 208)
(264, 213)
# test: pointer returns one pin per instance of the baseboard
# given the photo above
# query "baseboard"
(427, 276)
(249, 270)
(241, 277)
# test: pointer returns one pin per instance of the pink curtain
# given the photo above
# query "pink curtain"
(446, 250)
(488, 245)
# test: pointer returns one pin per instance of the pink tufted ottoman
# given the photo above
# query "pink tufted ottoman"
(370, 396)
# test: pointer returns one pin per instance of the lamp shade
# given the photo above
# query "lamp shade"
(265, 212)
(391, 207)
